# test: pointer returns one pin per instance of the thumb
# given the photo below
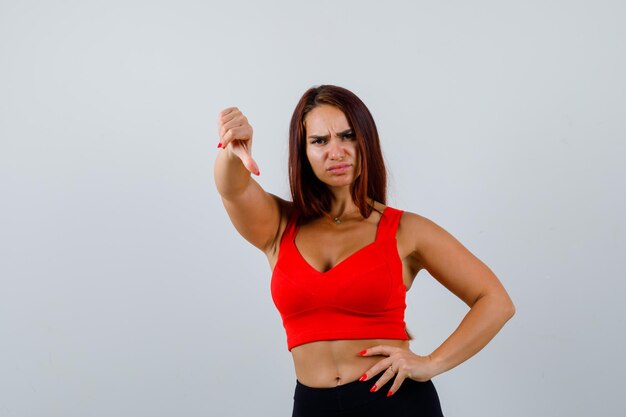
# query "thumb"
(240, 149)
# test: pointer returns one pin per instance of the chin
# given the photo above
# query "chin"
(340, 181)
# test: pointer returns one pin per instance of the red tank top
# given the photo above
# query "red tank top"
(362, 297)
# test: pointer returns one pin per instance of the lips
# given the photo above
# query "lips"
(339, 168)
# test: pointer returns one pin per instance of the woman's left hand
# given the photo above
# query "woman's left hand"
(400, 363)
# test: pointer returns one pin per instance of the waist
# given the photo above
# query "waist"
(332, 363)
(355, 399)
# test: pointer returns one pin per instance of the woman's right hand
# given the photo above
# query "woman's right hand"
(236, 133)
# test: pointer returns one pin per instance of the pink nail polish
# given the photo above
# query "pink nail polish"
(390, 393)
(219, 145)
(363, 377)
(373, 388)
(363, 352)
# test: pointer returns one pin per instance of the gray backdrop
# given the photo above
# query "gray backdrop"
(126, 291)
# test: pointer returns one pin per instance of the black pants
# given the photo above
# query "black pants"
(413, 399)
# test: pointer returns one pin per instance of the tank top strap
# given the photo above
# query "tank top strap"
(389, 223)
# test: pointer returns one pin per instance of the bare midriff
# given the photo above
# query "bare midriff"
(329, 363)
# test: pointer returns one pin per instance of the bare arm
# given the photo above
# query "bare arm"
(455, 267)
(255, 213)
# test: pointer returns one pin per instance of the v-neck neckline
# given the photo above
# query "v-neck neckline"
(352, 255)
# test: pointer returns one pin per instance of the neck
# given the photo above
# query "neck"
(342, 207)
(342, 210)
(341, 202)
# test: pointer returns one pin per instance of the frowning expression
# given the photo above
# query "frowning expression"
(331, 146)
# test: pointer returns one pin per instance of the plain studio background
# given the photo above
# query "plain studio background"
(126, 291)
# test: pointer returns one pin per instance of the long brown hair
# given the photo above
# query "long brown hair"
(310, 196)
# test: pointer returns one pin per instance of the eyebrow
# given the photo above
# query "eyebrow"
(327, 136)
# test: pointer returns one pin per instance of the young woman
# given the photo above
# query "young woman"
(342, 261)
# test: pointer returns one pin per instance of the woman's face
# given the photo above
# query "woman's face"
(331, 146)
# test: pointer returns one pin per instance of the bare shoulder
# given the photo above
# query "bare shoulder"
(419, 233)
(446, 259)
(412, 230)
(412, 223)
(286, 210)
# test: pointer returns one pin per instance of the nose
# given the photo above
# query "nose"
(336, 150)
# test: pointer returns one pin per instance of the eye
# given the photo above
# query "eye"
(349, 135)
(318, 140)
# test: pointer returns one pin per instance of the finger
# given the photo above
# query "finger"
(221, 124)
(379, 350)
(236, 133)
(384, 378)
(241, 150)
(235, 122)
(376, 369)
(252, 167)
(226, 112)
(400, 377)
(223, 117)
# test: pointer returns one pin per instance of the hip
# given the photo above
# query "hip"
(413, 398)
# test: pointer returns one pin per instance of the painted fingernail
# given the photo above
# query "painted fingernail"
(363, 377)
(363, 352)
(373, 388)
(219, 145)
(258, 173)
(390, 393)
